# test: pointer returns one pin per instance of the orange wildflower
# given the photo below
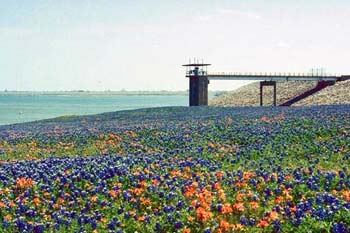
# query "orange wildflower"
(221, 194)
(113, 193)
(175, 173)
(145, 202)
(225, 225)
(241, 184)
(193, 203)
(118, 184)
(334, 192)
(265, 119)
(346, 195)
(240, 197)
(5, 191)
(24, 183)
(238, 227)
(191, 191)
(8, 217)
(187, 230)
(279, 200)
(2, 204)
(273, 216)
(289, 197)
(239, 206)
(131, 134)
(205, 196)
(155, 182)
(12, 204)
(136, 173)
(211, 145)
(250, 194)
(203, 215)
(227, 209)
(263, 224)
(219, 174)
(143, 183)
(187, 176)
(217, 185)
(136, 191)
(61, 200)
(141, 218)
(190, 218)
(132, 213)
(293, 209)
(248, 175)
(254, 205)
(36, 201)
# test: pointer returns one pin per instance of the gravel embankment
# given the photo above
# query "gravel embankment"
(336, 94)
(249, 95)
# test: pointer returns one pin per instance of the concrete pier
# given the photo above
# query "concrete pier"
(268, 83)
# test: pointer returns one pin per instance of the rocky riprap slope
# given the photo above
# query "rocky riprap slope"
(249, 95)
(336, 94)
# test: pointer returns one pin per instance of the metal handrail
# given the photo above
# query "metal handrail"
(275, 74)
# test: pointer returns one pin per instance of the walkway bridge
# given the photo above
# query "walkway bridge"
(199, 79)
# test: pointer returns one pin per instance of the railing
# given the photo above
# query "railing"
(199, 73)
(272, 74)
(265, 76)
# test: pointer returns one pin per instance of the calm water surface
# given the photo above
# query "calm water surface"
(23, 108)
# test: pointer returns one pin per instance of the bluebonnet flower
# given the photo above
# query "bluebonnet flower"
(178, 225)
(339, 228)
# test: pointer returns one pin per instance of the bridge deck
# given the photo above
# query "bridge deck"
(272, 77)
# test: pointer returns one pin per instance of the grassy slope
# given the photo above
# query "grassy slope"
(267, 156)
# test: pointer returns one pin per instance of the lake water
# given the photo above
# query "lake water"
(23, 108)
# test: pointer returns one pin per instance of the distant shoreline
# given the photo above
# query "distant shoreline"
(93, 93)
(98, 93)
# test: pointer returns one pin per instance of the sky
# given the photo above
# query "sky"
(141, 45)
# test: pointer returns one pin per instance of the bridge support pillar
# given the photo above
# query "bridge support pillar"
(268, 83)
(198, 90)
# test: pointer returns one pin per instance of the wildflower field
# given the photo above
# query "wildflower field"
(179, 169)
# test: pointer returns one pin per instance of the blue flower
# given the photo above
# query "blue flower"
(178, 225)
(339, 228)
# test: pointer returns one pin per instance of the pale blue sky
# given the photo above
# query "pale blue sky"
(141, 45)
